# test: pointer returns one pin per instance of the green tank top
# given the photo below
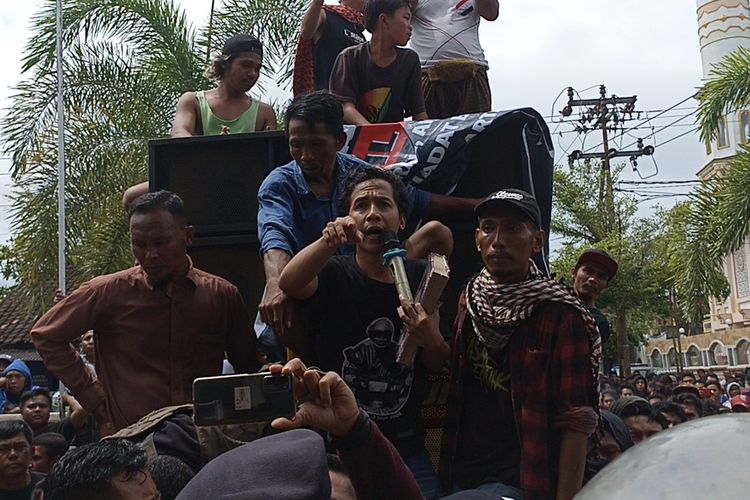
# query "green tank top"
(213, 125)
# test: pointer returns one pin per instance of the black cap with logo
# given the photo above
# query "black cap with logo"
(514, 198)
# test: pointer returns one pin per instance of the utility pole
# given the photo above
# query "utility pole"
(605, 114)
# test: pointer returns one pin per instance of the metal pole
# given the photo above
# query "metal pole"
(60, 156)
(210, 33)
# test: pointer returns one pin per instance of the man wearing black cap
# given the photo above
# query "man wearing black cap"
(524, 362)
(227, 109)
(591, 276)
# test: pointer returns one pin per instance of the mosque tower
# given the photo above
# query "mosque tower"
(724, 26)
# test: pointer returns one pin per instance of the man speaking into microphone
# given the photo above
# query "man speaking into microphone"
(356, 315)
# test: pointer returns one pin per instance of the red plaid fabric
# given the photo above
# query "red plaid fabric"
(552, 389)
(303, 78)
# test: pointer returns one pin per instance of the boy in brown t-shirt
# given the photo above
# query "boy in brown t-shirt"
(379, 81)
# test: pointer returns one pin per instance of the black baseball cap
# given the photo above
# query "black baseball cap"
(600, 257)
(242, 43)
(514, 198)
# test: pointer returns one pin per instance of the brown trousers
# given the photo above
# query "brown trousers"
(454, 88)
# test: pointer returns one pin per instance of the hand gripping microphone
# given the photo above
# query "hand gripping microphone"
(393, 256)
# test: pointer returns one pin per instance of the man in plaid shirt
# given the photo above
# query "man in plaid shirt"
(524, 363)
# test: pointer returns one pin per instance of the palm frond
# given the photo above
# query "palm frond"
(727, 90)
(275, 23)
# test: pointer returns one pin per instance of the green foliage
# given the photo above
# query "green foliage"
(125, 62)
(717, 219)
(696, 278)
(727, 90)
(580, 208)
(275, 22)
(641, 290)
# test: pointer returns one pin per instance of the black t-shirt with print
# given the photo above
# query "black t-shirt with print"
(356, 329)
(488, 447)
(338, 34)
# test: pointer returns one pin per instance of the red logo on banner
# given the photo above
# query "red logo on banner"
(381, 144)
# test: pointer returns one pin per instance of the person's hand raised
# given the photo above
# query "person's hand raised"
(327, 402)
(342, 231)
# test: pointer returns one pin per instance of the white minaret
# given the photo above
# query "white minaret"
(724, 25)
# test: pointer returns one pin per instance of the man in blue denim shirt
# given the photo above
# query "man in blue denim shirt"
(297, 200)
(286, 196)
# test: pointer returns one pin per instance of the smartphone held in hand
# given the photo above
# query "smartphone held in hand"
(241, 398)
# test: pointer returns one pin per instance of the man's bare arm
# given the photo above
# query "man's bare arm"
(78, 413)
(441, 204)
(300, 277)
(420, 116)
(488, 9)
(186, 116)
(572, 461)
(312, 23)
(352, 115)
(268, 118)
(133, 193)
(274, 307)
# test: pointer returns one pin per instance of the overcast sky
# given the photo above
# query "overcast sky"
(646, 48)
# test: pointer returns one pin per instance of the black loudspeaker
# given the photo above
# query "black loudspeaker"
(217, 177)
(236, 259)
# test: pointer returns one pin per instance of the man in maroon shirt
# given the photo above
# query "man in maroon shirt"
(158, 325)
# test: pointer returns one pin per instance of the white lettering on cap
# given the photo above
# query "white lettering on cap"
(506, 195)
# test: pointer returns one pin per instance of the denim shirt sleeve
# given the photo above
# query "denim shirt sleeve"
(276, 216)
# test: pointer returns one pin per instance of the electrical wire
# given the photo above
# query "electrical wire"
(692, 130)
(652, 134)
(660, 182)
(651, 118)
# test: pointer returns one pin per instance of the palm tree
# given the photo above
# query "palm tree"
(719, 219)
(125, 64)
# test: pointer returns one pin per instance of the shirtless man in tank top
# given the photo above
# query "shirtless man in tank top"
(226, 109)
(236, 70)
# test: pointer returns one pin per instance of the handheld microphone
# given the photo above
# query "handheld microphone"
(393, 256)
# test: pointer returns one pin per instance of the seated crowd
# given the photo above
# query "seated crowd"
(528, 413)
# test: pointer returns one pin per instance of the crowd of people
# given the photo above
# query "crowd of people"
(529, 413)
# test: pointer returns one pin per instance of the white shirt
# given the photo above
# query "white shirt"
(446, 30)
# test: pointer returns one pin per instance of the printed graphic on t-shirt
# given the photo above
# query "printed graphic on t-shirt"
(380, 385)
(374, 104)
(355, 37)
(489, 368)
(464, 7)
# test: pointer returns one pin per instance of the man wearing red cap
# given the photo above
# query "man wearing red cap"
(591, 276)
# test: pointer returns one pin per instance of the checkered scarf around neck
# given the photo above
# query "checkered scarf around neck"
(496, 309)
